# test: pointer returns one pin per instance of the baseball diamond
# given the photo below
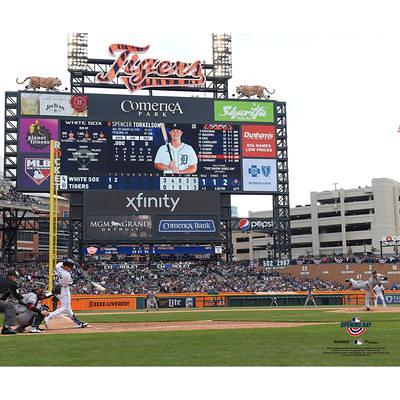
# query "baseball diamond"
(229, 336)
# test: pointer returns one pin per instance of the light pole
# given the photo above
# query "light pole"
(222, 55)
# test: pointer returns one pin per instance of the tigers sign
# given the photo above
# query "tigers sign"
(145, 73)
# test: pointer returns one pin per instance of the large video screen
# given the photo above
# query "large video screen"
(136, 216)
(147, 143)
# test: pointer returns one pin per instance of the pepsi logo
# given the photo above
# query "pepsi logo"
(244, 225)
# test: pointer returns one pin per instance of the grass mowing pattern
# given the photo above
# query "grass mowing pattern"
(300, 346)
(270, 315)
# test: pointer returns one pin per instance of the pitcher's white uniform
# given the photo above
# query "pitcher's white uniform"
(151, 300)
(378, 289)
(367, 285)
(63, 278)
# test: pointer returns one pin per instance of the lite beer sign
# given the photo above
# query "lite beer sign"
(139, 73)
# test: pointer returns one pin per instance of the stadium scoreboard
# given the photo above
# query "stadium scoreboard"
(119, 142)
(121, 155)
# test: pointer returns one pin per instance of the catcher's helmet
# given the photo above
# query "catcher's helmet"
(68, 261)
(38, 285)
(12, 272)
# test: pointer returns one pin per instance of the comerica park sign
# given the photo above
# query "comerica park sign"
(144, 73)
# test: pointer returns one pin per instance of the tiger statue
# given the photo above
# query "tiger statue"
(37, 82)
(249, 91)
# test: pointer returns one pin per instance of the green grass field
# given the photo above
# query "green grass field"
(299, 346)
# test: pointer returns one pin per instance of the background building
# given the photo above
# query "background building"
(335, 222)
(33, 232)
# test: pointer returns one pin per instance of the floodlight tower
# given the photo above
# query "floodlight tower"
(222, 55)
(77, 57)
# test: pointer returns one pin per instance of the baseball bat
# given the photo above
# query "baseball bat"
(98, 287)
(165, 136)
(85, 277)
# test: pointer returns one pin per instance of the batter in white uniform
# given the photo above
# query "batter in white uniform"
(368, 286)
(379, 294)
(64, 280)
(184, 159)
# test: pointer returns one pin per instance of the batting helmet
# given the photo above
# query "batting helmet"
(68, 261)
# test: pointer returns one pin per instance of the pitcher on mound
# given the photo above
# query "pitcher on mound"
(63, 282)
(368, 286)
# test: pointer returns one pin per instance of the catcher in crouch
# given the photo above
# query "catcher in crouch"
(368, 286)
(30, 311)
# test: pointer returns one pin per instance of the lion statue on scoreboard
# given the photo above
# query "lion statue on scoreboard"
(37, 82)
(249, 91)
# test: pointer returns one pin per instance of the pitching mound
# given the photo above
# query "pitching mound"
(174, 326)
(361, 309)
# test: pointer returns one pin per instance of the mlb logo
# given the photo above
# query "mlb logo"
(38, 169)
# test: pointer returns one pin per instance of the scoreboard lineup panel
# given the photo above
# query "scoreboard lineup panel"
(112, 146)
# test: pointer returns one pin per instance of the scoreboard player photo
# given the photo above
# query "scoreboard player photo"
(176, 157)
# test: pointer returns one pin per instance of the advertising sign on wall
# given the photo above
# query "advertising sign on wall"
(123, 227)
(253, 224)
(176, 302)
(259, 175)
(258, 141)
(34, 138)
(54, 105)
(35, 134)
(244, 111)
(129, 216)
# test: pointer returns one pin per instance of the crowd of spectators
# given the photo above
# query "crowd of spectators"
(10, 195)
(124, 278)
(369, 258)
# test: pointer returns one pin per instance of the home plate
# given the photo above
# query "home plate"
(60, 322)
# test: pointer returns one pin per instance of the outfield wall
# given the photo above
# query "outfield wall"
(231, 299)
(341, 272)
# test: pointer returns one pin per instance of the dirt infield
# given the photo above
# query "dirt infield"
(171, 326)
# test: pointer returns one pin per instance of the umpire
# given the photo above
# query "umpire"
(8, 287)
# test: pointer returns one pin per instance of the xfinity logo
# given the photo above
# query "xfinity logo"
(140, 201)
(151, 109)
